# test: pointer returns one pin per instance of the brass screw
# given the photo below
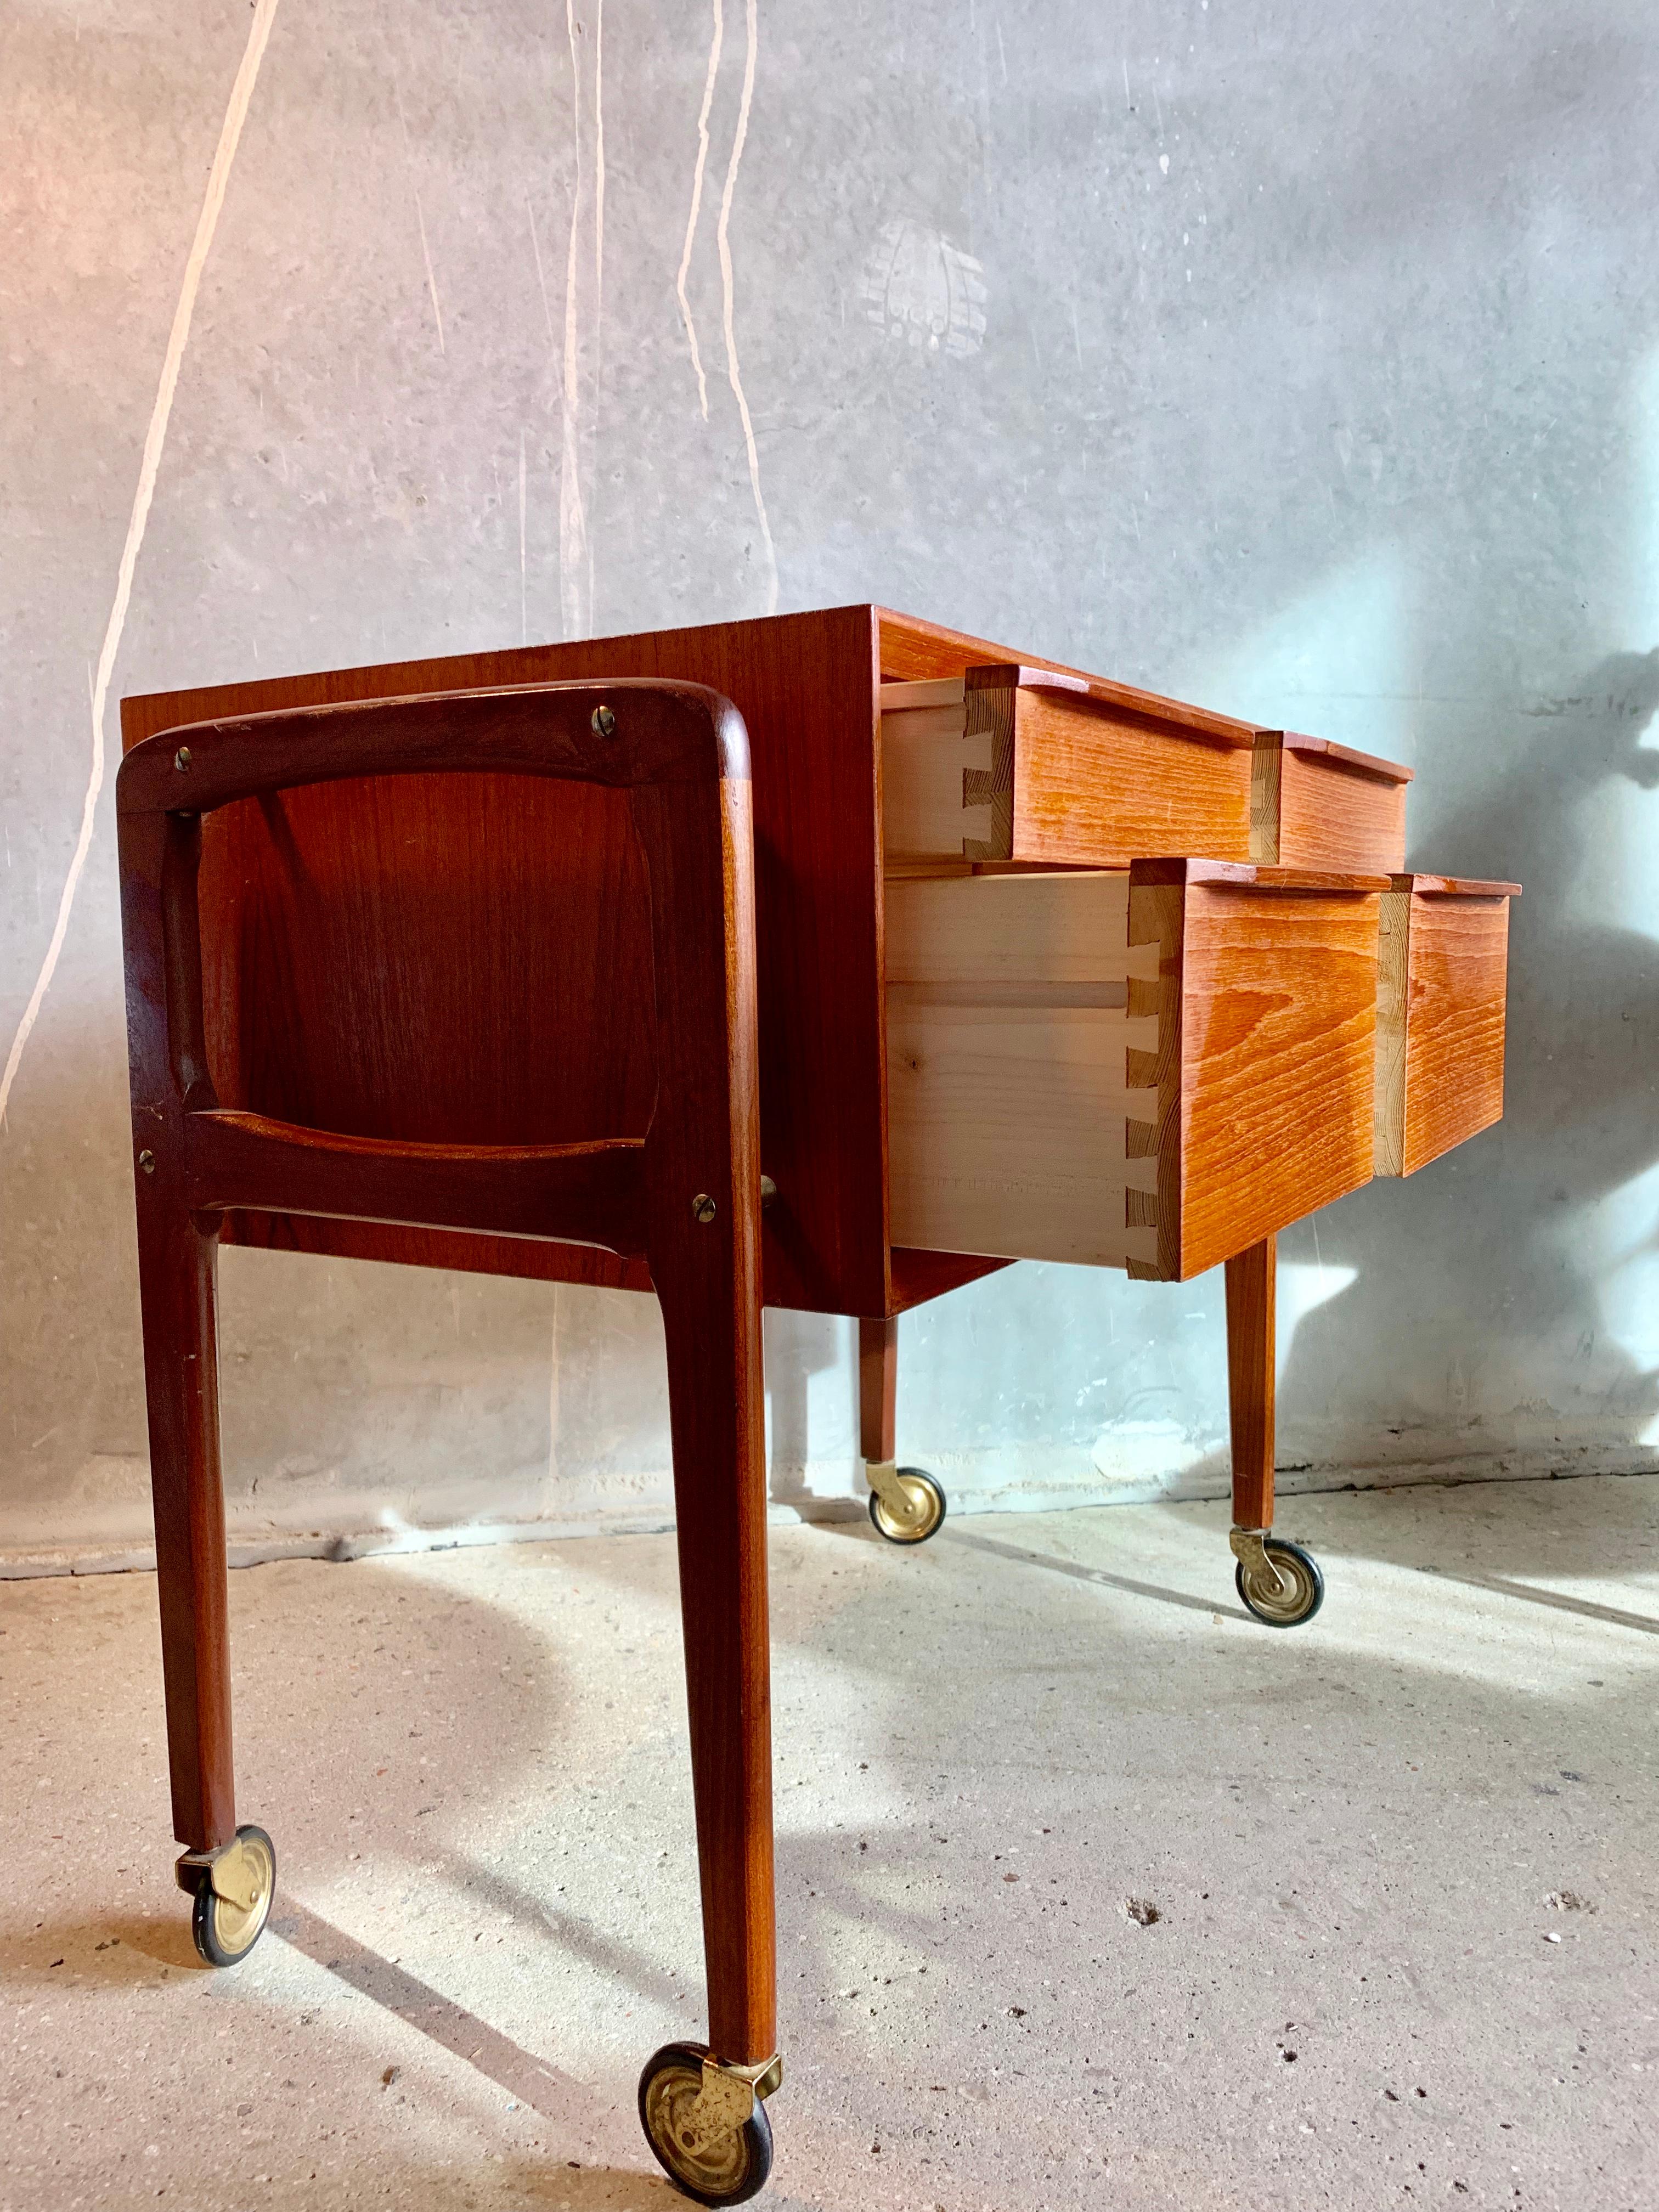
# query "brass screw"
(604, 722)
(768, 1190)
(704, 1208)
(181, 758)
(146, 1162)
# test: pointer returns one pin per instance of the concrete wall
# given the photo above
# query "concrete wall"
(1301, 361)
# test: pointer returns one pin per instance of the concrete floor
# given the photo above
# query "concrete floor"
(1357, 1990)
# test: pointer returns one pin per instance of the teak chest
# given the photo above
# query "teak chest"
(827, 961)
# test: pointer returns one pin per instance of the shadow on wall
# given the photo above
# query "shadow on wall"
(1440, 1257)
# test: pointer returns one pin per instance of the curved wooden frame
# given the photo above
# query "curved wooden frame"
(686, 1198)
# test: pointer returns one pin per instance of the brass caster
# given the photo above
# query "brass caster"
(907, 1506)
(232, 1887)
(1278, 1581)
(706, 2124)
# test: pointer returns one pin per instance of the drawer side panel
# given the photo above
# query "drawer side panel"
(1442, 992)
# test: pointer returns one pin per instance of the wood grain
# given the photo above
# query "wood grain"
(1007, 1028)
(559, 1049)
(1442, 989)
(1058, 770)
(1252, 1277)
(914, 651)
(688, 1196)
(1264, 1066)
(1337, 809)
(877, 1388)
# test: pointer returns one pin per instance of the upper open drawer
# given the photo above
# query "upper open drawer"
(1152, 1068)
(1008, 763)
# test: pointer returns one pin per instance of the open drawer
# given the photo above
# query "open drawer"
(1008, 762)
(1149, 1068)
(1441, 976)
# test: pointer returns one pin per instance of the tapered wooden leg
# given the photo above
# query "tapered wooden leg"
(717, 1420)
(1250, 1285)
(877, 1388)
(177, 1259)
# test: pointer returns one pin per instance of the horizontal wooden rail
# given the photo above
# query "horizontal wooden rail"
(624, 733)
(589, 1194)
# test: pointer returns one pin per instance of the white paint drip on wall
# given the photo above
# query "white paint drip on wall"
(431, 278)
(572, 520)
(723, 236)
(697, 173)
(575, 538)
(241, 93)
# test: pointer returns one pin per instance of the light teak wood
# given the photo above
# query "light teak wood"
(1263, 1071)
(1316, 805)
(684, 1195)
(1027, 764)
(1442, 981)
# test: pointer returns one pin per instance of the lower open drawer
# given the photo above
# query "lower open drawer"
(1150, 1069)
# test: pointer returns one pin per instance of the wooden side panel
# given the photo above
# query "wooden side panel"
(1008, 1030)
(297, 894)
(924, 755)
(1334, 814)
(1264, 1070)
(1005, 1131)
(1443, 982)
(1014, 936)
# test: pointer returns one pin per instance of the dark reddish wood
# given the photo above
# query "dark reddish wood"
(707, 1278)
(556, 1049)
(579, 1193)
(688, 1192)
(877, 1387)
(176, 1289)
(1251, 1279)
(919, 1276)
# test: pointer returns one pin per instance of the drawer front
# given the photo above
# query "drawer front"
(1323, 807)
(1266, 1004)
(1129, 1068)
(1012, 764)
(1442, 986)
(1007, 763)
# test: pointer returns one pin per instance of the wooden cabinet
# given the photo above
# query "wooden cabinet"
(921, 1123)
(1440, 1005)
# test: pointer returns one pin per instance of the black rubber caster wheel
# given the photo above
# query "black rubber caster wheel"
(718, 2165)
(226, 1928)
(1292, 1599)
(926, 1515)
